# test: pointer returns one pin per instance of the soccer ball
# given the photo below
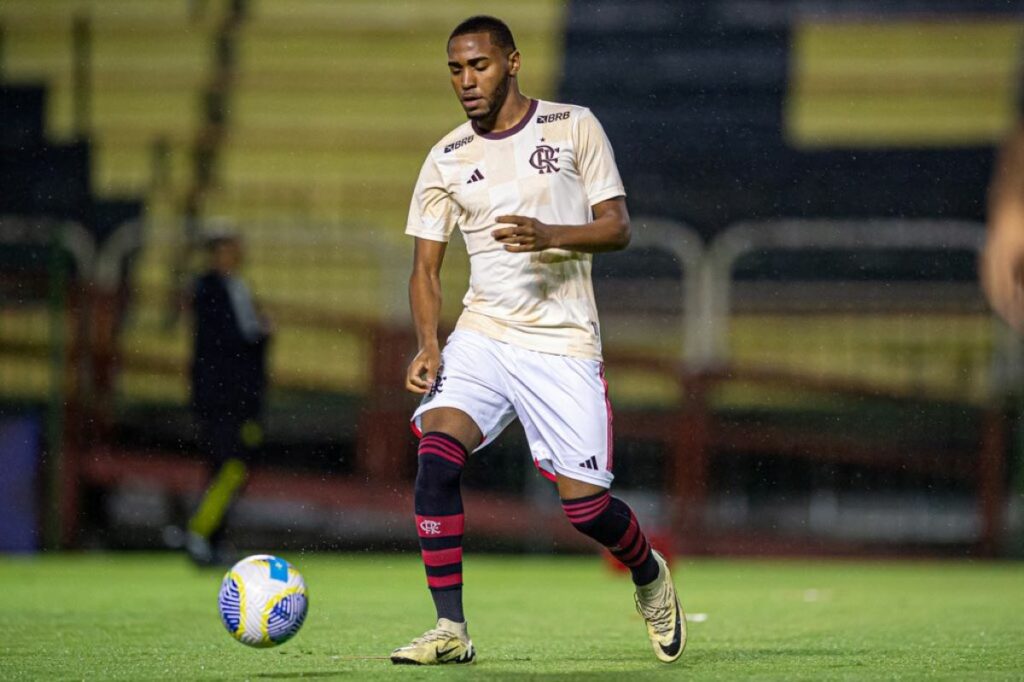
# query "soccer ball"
(263, 601)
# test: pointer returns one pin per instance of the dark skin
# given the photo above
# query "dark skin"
(484, 79)
(1002, 261)
(226, 256)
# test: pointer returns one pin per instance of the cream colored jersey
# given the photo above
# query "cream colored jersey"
(553, 166)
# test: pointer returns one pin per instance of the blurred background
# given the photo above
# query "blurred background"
(800, 358)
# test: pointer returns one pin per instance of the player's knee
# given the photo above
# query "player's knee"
(597, 516)
(584, 513)
(434, 470)
(441, 460)
(438, 486)
(452, 422)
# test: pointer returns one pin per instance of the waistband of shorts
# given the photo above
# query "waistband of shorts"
(575, 344)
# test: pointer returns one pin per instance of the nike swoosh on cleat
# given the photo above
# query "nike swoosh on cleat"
(673, 648)
(445, 652)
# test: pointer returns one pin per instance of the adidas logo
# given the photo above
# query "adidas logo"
(590, 463)
(477, 175)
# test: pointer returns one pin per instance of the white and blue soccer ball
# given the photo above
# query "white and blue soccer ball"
(263, 601)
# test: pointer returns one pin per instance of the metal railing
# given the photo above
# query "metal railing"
(710, 308)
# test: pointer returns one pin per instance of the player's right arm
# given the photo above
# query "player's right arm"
(433, 214)
(1002, 261)
(425, 301)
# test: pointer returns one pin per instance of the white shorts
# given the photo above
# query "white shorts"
(561, 401)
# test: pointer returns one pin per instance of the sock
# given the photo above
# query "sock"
(611, 522)
(439, 520)
(227, 482)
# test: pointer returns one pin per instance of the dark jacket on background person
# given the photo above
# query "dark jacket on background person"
(229, 375)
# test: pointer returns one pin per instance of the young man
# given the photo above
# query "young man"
(534, 189)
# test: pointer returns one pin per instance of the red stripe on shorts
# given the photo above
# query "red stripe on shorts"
(544, 472)
(608, 410)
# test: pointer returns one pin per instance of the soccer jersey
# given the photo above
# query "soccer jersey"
(554, 165)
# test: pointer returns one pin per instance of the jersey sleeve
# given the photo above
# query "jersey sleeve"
(596, 160)
(433, 213)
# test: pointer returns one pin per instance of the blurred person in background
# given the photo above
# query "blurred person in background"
(229, 380)
(1002, 262)
(528, 344)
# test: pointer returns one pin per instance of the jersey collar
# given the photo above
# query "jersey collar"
(511, 131)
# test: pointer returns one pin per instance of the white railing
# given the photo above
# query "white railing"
(707, 270)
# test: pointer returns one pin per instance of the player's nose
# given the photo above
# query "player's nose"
(467, 80)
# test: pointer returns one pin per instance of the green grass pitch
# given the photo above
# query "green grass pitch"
(149, 617)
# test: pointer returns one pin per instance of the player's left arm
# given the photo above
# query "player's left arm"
(608, 231)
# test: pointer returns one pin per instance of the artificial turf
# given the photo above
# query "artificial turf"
(153, 616)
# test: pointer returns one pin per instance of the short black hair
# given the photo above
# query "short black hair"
(482, 23)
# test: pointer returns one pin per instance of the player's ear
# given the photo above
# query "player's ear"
(513, 62)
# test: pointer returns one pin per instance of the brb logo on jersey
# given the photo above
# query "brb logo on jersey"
(458, 143)
(544, 158)
(551, 118)
(430, 527)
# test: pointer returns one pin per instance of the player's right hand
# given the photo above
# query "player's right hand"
(423, 369)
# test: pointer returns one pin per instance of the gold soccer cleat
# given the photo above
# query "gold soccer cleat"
(659, 606)
(448, 642)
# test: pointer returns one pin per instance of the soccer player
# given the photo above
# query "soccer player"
(534, 189)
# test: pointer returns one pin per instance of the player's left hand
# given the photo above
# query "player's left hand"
(525, 234)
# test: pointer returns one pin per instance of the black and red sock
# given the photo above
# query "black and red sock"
(611, 522)
(440, 520)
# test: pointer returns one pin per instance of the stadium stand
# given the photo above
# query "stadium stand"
(147, 61)
(337, 104)
(731, 113)
(733, 116)
(303, 143)
(719, 112)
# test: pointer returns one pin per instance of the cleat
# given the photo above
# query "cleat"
(447, 643)
(659, 606)
(205, 554)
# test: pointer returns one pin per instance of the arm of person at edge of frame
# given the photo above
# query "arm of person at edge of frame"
(608, 231)
(1002, 260)
(425, 301)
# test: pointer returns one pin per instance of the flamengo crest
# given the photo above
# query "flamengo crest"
(544, 158)
(430, 527)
